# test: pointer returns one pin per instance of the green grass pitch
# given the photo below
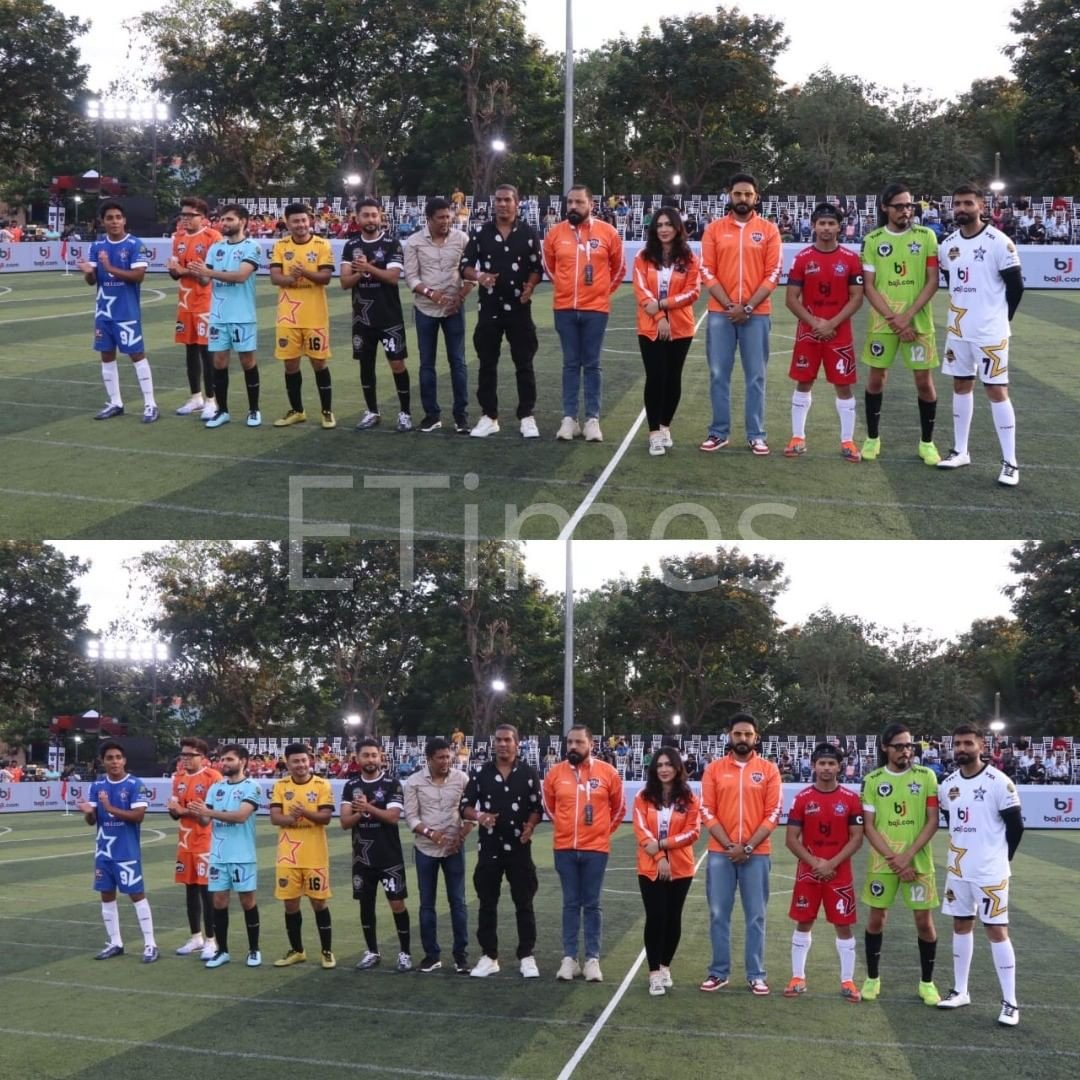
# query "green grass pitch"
(63, 1015)
(67, 476)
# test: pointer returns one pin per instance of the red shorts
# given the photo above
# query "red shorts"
(192, 867)
(192, 327)
(838, 356)
(838, 896)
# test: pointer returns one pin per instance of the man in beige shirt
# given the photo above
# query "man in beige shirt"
(433, 810)
(433, 273)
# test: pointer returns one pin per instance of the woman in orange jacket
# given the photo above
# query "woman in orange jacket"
(667, 281)
(667, 821)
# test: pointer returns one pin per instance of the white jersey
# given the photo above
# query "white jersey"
(978, 851)
(978, 311)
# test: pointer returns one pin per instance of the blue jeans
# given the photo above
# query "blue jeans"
(427, 874)
(752, 337)
(581, 334)
(752, 880)
(582, 876)
(427, 337)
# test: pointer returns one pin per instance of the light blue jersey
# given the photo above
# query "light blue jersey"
(233, 302)
(233, 842)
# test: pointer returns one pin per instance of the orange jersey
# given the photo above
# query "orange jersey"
(585, 804)
(741, 798)
(682, 832)
(192, 787)
(192, 247)
(585, 265)
(740, 259)
(682, 290)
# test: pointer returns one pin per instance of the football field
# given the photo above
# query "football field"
(64, 1015)
(68, 476)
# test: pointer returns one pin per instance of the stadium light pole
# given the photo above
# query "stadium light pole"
(118, 111)
(352, 182)
(136, 653)
(499, 686)
(77, 199)
(568, 103)
(568, 642)
(77, 739)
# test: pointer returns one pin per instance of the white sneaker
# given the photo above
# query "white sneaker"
(569, 429)
(529, 970)
(954, 1000)
(404, 422)
(954, 460)
(569, 969)
(529, 430)
(193, 944)
(592, 970)
(656, 984)
(209, 409)
(368, 420)
(485, 967)
(209, 950)
(1009, 1015)
(668, 444)
(592, 430)
(665, 975)
(192, 405)
(656, 444)
(1009, 475)
(487, 426)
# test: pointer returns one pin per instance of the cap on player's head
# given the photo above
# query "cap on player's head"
(825, 210)
(825, 750)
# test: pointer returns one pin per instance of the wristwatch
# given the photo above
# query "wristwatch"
(748, 308)
(748, 848)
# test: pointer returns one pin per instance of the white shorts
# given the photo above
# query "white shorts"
(988, 903)
(965, 360)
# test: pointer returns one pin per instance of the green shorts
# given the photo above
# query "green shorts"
(879, 350)
(879, 891)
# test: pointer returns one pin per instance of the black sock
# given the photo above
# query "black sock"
(401, 921)
(194, 367)
(221, 929)
(293, 922)
(927, 415)
(251, 921)
(322, 921)
(209, 921)
(322, 381)
(293, 381)
(367, 922)
(927, 956)
(367, 383)
(873, 953)
(194, 907)
(207, 370)
(873, 418)
(401, 384)
(221, 388)
(251, 381)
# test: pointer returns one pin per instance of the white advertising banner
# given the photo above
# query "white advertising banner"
(1044, 807)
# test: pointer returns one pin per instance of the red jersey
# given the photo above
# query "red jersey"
(825, 818)
(824, 277)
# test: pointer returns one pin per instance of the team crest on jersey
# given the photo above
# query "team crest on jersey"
(1010, 787)
(757, 777)
(378, 795)
(181, 248)
(813, 268)
(283, 342)
(980, 794)
(312, 797)
(802, 902)
(980, 254)
(594, 783)
(181, 788)
(877, 888)
(179, 867)
(954, 254)
(884, 790)
(179, 327)
(954, 794)
(839, 809)
(312, 257)
(914, 787)
(914, 247)
(283, 882)
(950, 356)
(801, 362)
(839, 269)
(288, 795)
(594, 244)
(884, 249)
(757, 237)
(950, 895)
(1010, 247)
(289, 255)
(877, 348)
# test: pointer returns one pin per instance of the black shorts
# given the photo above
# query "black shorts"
(391, 878)
(366, 340)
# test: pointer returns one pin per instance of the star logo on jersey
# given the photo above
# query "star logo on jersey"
(217, 846)
(185, 835)
(312, 797)
(957, 314)
(959, 853)
(103, 847)
(980, 254)
(914, 787)
(311, 257)
(286, 301)
(103, 298)
(284, 842)
(914, 247)
(185, 292)
(980, 794)
(361, 848)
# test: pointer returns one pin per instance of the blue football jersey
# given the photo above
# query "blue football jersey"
(117, 301)
(233, 842)
(233, 301)
(117, 840)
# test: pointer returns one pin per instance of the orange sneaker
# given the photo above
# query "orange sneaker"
(796, 447)
(795, 988)
(850, 452)
(850, 992)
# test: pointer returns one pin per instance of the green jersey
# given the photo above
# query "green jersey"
(901, 263)
(899, 803)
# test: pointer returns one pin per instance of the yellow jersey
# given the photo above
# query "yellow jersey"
(303, 305)
(302, 844)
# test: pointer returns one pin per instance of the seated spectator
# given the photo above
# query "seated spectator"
(621, 748)
(1057, 770)
(1037, 231)
(1058, 231)
(1036, 773)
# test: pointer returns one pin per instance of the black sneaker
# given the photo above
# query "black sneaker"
(461, 964)
(429, 964)
(461, 425)
(430, 423)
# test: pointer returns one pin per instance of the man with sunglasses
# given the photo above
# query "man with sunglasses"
(900, 807)
(900, 267)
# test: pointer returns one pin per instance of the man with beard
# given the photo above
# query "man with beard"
(371, 806)
(230, 268)
(985, 827)
(741, 257)
(985, 285)
(584, 259)
(584, 799)
(229, 809)
(372, 265)
(741, 796)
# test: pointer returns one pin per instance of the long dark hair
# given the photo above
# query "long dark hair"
(680, 789)
(680, 249)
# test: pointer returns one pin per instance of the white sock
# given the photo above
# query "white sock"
(111, 378)
(963, 407)
(1005, 962)
(146, 921)
(963, 945)
(1005, 422)
(800, 949)
(110, 915)
(845, 949)
(800, 409)
(845, 409)
(146, 380)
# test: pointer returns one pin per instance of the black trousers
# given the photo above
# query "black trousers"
(664, 902)
(517, 326)
(663, 378)
(487, 880)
